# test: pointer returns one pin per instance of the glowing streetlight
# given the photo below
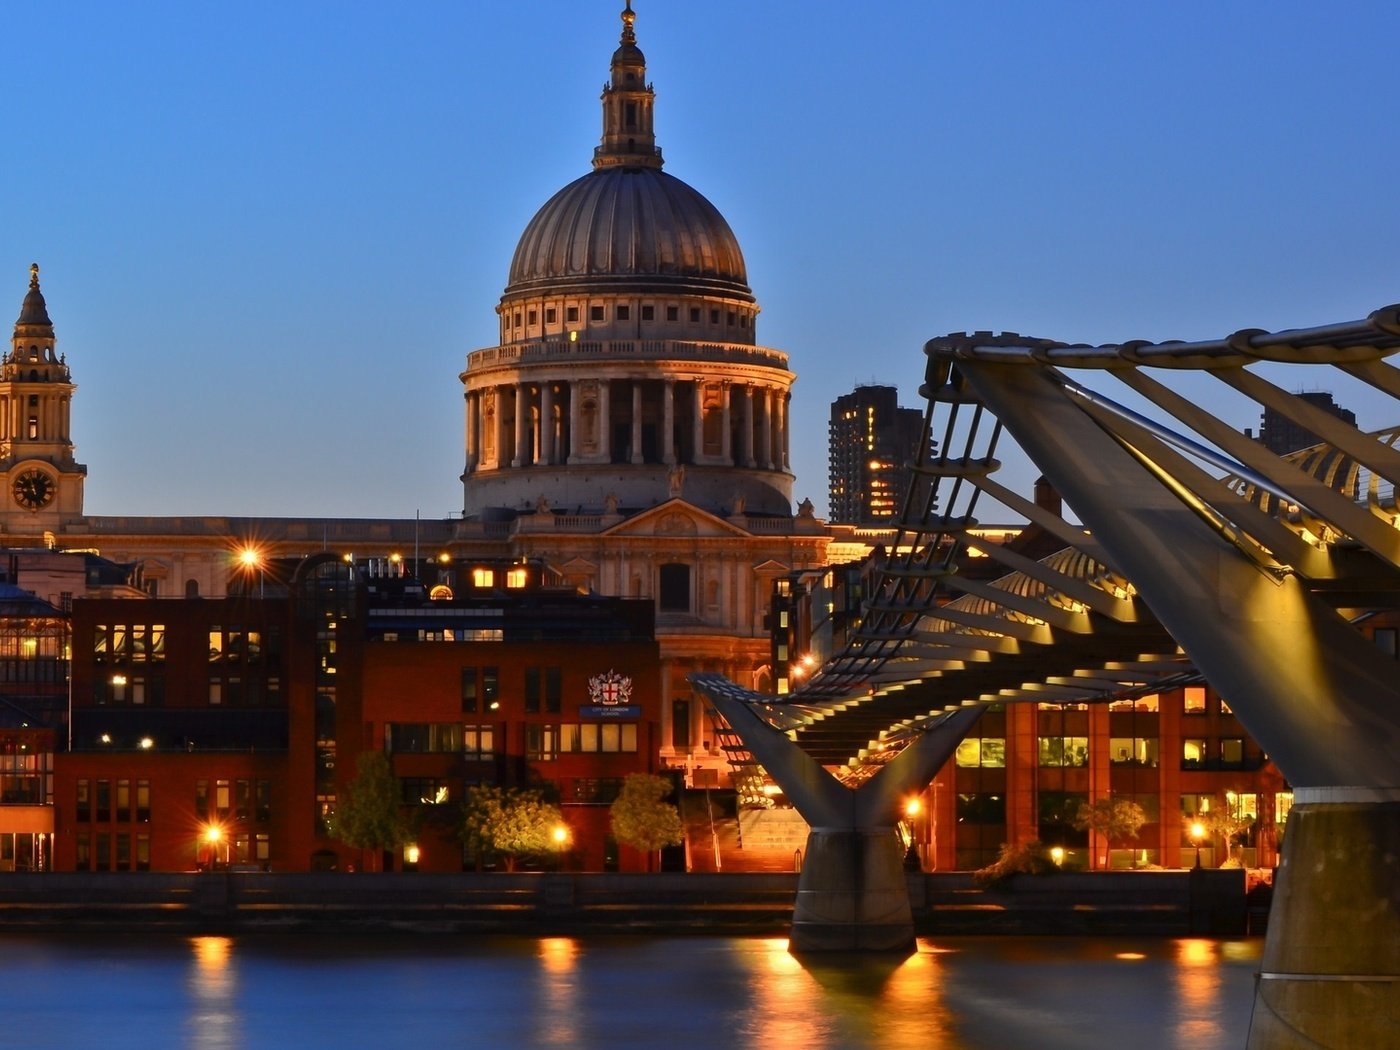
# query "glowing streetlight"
(213, 835)
(560, 836)
(251, 558)
(1198, 832)
(912, 807)
(1057, 854)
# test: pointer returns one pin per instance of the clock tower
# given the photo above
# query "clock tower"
(40, 484)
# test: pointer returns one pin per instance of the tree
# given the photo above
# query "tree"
(640, 816)
(511, 823)
(369, 814)
(1225, 820)
(1113, 817)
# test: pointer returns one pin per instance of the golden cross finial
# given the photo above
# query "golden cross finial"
(34, 267)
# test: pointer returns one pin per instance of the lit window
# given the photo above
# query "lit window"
(483, 578)
(516, 579)
(1195, 700)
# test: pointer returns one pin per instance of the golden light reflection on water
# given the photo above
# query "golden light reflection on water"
(822, 1003)
(1197, 991)
(557, 1014)
(912, 1004)
(782, 1013)
(213, 1022)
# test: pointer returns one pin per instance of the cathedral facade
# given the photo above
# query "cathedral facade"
(628, 434)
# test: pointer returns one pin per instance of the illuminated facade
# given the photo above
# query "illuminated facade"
(870, 442)
(213, 731)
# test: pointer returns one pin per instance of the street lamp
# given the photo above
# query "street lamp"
(1057, 854)
(251, 559)
(213, 835)
(1198, 832)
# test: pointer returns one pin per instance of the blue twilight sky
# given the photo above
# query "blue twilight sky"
(269, 233)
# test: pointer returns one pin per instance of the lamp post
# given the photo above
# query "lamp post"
(912, 808)
(1198, 832)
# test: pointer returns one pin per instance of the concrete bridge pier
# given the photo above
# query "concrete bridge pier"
(1330, 976)
(852, 895)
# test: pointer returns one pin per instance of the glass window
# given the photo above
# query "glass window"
(981, 808)
(1194, 702)
(84, 807)
(478, 742)
(595, 313)
(1132, 751)
(541, 743)
(143, 801)
(987, 751)
(469, 689)
(1232, 751)
(1064, 751)
(1193, 753)
(624, 313)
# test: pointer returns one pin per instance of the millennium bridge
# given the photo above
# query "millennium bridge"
(1195, 548)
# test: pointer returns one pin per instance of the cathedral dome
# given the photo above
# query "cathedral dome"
(632, 225)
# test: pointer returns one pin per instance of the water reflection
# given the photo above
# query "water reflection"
(1197, 991)
(447, 992)
(784, 995)
(212, 1023)
(557, 1012)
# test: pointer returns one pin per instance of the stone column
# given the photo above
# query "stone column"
(473, 446)
(766, 460)
(501, 434)
(522, 424)
(698, 427)
(605, 420)
(783, 430)
(668, 423)
(746, 445)
(573, 424)
(725, 451)
(546, 444)
(636, 421)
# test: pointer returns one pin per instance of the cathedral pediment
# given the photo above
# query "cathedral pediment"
(675, 517)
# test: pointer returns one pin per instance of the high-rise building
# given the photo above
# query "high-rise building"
(1282, 435)
(871, 440)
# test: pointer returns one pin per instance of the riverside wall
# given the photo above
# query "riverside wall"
(1159, 903)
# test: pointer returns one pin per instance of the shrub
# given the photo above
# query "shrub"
(1029, 858)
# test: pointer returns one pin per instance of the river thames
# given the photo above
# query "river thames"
(436, 991)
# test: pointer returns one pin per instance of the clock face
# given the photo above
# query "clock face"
(33, 489)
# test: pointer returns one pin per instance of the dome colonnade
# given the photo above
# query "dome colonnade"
(628, 369)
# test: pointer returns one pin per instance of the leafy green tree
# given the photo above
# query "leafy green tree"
(511, 823)
(369, 814)
(642, 818)
(1114, 817)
